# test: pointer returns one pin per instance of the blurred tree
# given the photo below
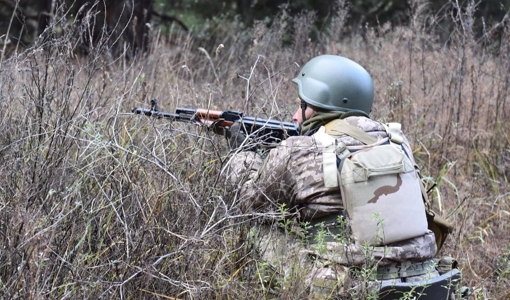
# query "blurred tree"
(124, 22)
(108, 22)
(119, 23)
(361, 12)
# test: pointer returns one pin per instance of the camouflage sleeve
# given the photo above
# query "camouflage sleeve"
(261, 183)
(291, 174)
(241, 171)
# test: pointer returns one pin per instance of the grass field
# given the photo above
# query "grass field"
(98, 203)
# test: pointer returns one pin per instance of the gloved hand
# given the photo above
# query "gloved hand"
(236, 136)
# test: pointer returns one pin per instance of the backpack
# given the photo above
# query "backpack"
(381, 190)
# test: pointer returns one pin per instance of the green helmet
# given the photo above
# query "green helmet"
(335, 83)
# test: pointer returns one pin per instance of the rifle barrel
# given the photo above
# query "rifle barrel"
(160, 114)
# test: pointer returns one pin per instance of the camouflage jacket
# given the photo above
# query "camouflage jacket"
(292, 174)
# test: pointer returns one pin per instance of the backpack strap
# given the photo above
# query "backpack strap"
(331, 149)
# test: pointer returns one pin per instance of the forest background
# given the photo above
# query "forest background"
(98, 203)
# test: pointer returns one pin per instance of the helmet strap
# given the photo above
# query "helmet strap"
(303, 109)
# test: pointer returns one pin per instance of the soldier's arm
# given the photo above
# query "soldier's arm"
(262, 184)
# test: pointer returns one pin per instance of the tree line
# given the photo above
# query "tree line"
(127, 22)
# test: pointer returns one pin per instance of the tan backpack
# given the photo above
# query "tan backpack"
(381, 190)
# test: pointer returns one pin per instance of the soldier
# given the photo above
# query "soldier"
(347, 224)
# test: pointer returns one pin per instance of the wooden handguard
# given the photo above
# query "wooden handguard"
(209, 117)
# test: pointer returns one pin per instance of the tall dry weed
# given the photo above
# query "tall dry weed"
(99, 203)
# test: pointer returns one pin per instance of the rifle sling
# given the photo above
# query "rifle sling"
(339, 126)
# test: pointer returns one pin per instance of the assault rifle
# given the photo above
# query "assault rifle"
(268, 131)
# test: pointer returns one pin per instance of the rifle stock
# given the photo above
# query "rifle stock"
(267, 130)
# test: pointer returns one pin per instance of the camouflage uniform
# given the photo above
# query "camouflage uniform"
(292, 174)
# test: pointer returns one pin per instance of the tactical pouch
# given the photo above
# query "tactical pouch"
(382, 195)
(437, 224)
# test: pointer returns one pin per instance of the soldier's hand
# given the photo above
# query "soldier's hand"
(236, 136)
(217, 128)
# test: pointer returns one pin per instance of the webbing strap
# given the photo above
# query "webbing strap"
(340, 126)
(328, 220)
(329, 224)
(405, 269)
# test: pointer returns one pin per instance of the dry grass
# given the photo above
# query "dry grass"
(98, 203)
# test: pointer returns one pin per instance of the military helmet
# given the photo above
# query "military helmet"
(335, 83)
